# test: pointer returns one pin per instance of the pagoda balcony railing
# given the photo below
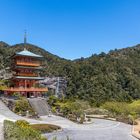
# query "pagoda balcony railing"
(22, 89)
(32, 63)
(26, 74)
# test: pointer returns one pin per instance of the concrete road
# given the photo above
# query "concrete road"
(99, 130)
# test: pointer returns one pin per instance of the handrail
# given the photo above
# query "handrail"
(33, 62)
(20, 89)
(26, 74)
(28, 63)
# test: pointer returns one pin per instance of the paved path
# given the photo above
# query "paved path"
(5, 113)
(1, 132)
(99, 130)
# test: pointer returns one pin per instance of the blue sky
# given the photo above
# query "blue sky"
(71, 28)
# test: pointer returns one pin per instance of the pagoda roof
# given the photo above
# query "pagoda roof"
(30, 67)
(25, 52)
(26, 77)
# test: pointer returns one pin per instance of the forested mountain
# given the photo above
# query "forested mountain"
(52, 63)
(99, 78)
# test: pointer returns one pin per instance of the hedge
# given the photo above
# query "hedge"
(20, 131)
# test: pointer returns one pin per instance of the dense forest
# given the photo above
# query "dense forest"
(105, 77)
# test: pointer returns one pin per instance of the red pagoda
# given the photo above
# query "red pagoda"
(26, 66)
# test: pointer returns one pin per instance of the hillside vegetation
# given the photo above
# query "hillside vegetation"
(105, 77)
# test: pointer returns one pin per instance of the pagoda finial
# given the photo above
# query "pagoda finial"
(25, 37)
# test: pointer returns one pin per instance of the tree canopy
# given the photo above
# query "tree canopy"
(105, 77)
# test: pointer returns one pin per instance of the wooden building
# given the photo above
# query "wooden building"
(26, 66)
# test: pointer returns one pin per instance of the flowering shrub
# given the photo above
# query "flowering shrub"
(22, 123)
(20, 130)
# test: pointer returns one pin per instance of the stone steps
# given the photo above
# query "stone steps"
(40, 106)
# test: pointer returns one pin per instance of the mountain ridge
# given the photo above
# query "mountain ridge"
(113, 76)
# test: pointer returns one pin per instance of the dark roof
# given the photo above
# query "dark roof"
(29, 67)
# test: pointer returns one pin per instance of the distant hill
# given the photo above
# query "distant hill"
(99, 78)
(112, 76)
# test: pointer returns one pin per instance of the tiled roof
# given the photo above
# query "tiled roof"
(28, 53)
(29, 67)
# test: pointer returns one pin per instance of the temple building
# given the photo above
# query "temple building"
(26, 66)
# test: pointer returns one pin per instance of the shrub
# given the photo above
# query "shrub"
(54, 109)
(135, 106)
(117, 108)
(21, 106)
(52, 100)
(14, 131)
(71, 108)
(122, 111)
(22, 123)
(17, 95)
(97, 111)
(66, 107)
